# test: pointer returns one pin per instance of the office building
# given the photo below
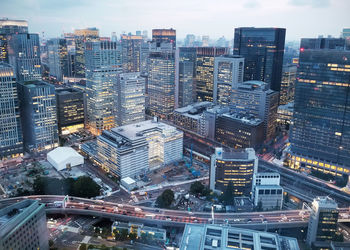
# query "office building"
(239, 131)
(102, 69)
(139, 147)
(131, 50)
(285, 115)
(23, 226)
(24, 56)
(267, 193)
(81, 37)
(255, 98)
(11, 141)
(130, 98)
(144, 53)
(205, 71)
(189, 40)
(208, 120)
(38, 115)
(189, 117)
(228, 73)
(185, 77)
(262, 49)
(205, 41)
(210, 237)
(58, 58)
(289, 74)
(323, 220)
(70, 110)
(346, 33)
(161, 83)
(8, 27)
(233, 167)
(321, 121)
(160, 36)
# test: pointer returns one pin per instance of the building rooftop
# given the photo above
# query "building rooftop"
(128, 180)
(194, 110)
(136, 130)
(247, 119)
(289, 106)
(235, 154)
(268, 186)
(35, 83)
(324, 202)
(65, 91)
(225, 237)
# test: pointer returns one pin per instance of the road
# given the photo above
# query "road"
(102, 208)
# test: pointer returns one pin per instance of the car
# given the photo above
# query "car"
(168, 219)
(235, 220)
(157, 210)
(195, 221)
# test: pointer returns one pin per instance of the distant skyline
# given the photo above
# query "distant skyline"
(301, 18)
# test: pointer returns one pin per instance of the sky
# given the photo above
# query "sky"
(216, 18)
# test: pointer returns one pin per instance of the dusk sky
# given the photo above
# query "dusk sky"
(216, 18)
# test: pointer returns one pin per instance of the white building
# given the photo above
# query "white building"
(64, 157)
(267, 190)
(133, 149)
(128, 183)
(130, 98)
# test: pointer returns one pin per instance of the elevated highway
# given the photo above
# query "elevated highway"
(166, 217)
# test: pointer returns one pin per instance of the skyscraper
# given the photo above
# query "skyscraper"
(161, 83)
(38, 115)
(236, 168)
(9, 27)
(58, 58)
(11, 141)
(164, 36)
(130, 98)
(228, 73)
(323, 220)
(131, 49)
(185, 76)
(70, 110)
(82, 36)
(205, 71)
(24, 56)
(255, 98)
(289, 75)
(102, 69)
(262, 49)
(320, 134)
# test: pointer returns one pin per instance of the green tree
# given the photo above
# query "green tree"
(83, 246)
(165, 199)
(196, 187)
(85, 187)
(132, 236)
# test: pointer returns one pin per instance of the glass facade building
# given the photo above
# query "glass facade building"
(320, 134)
(24, 56)
(288, 84)
(161, 83)
(58, 58)
(233, 168)
(228, 73)
(263, 50)
(185, 77)
(38, 115)
(205, 71)
(70, 110)
(11, 141)
(131, 51)
(160, 36)
(102, 69)
(130, 98)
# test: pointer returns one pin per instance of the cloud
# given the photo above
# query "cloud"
(251, 5)
(311, 3)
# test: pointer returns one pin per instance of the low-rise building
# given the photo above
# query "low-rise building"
(239, 131)
(23, 226)
(142, 231)
(134, 149)
(235, 167)
(64, 158)
(128, 183)
(266, 191)
(213, 237)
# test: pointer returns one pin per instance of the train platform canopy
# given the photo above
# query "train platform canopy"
(64, 157)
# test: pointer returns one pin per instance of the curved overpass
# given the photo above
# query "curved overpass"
(118, 211)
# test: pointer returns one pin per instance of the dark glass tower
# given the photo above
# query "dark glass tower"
(24, 56)
(164, 36)
(263, 50)
(320, 135)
